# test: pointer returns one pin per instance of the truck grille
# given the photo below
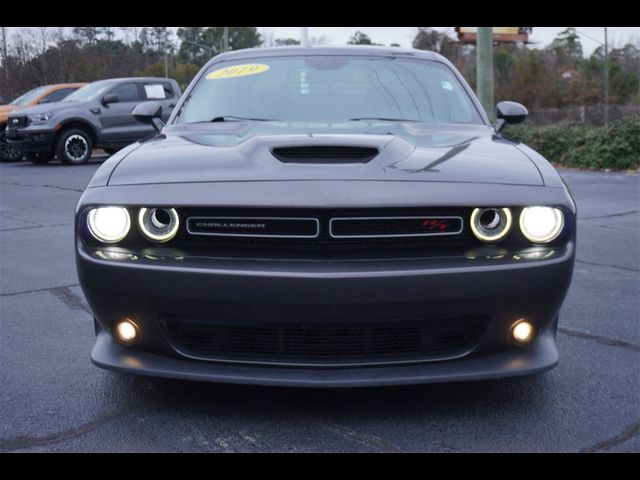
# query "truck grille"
(326, 344)
(17, 122)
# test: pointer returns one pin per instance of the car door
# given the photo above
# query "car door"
(163, 93)
(118, 124)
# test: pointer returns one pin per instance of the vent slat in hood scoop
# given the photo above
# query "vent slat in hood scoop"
(325, 154)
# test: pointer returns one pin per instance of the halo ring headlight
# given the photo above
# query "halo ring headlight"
(109, 224)
(158, 224)
(541, 224)
(491, 225)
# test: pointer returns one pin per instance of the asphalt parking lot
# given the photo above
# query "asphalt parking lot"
(54, 399)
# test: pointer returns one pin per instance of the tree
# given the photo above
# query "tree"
(360, 38)
(190, 38)
(567, 46)
(87, 35)
(239, 37)
(286, 41)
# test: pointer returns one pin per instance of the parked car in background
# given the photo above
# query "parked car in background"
(98, 115)
(37, 96)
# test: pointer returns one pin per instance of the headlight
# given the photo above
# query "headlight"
(109, 224)
(158, 224)
(491, 224)
(40, 117)
(541, 224)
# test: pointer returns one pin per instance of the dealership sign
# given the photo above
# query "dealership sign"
(500, 34)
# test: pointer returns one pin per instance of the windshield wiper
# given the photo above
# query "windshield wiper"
(233, 118)
(384, 119)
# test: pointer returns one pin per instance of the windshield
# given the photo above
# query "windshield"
(88, 92)
(30, 96)
(330, 88)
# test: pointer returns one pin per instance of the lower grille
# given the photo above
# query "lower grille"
(356, 342)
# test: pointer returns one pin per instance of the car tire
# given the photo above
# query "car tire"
(74, 147)
(40, 158)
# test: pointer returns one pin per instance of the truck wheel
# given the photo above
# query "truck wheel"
(74, 147)
(39, 158)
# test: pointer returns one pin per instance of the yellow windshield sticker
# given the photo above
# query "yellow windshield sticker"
(238, 71)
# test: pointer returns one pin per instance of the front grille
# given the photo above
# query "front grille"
(260, 227)
(381, 227)
(325, 154)
(327, 344)
(359, 237)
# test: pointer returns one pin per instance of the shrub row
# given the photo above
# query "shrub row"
(584, 146)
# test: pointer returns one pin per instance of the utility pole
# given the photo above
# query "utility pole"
(166, 63)
(304, 36)
(484, 68)
(4, 55)
(225, 37)
(606, 80)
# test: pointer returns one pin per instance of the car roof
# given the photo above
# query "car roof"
(135, 79)
(355, 50)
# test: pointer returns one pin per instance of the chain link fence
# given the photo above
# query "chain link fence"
(592, 115)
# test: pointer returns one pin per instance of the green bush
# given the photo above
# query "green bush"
(584, 146)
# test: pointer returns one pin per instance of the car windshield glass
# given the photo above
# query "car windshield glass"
(88, 92)
(330, 88)
(29, 96)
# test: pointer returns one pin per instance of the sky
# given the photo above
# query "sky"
(542, 36)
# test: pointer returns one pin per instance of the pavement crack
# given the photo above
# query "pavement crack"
(36, 290)
(628, 269)
(610, 342)
(57, 437)
(628, 433)
(35, 226)
(621, 214)
(70, 299)
(57, 187)
(21, 220)
(372, 441)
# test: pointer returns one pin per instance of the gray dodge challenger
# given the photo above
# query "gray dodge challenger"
(327, 217)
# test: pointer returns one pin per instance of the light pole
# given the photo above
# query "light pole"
(304, 36)
(484, 68)
(606, 71)
(225, 37)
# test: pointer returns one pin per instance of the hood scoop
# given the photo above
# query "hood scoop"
(329, 154)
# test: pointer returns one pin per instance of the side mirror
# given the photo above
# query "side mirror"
(149, 113)
(109, 98)
(509, 113)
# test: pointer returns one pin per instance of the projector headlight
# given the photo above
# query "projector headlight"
(158, 224)
(491, 224)
(109, 224)
(541, 224)
(40, 117)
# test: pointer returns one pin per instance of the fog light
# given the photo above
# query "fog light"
(522, 332)
(127, 332)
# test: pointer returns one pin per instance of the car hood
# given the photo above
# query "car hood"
(48, 107)
(242, 151)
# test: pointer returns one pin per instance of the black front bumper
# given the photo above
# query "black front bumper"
(503, 290)
(31, 141)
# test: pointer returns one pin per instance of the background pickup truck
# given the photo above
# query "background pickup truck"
(98, 115)
(36, 96)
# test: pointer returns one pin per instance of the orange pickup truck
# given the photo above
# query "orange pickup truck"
(44, 94)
